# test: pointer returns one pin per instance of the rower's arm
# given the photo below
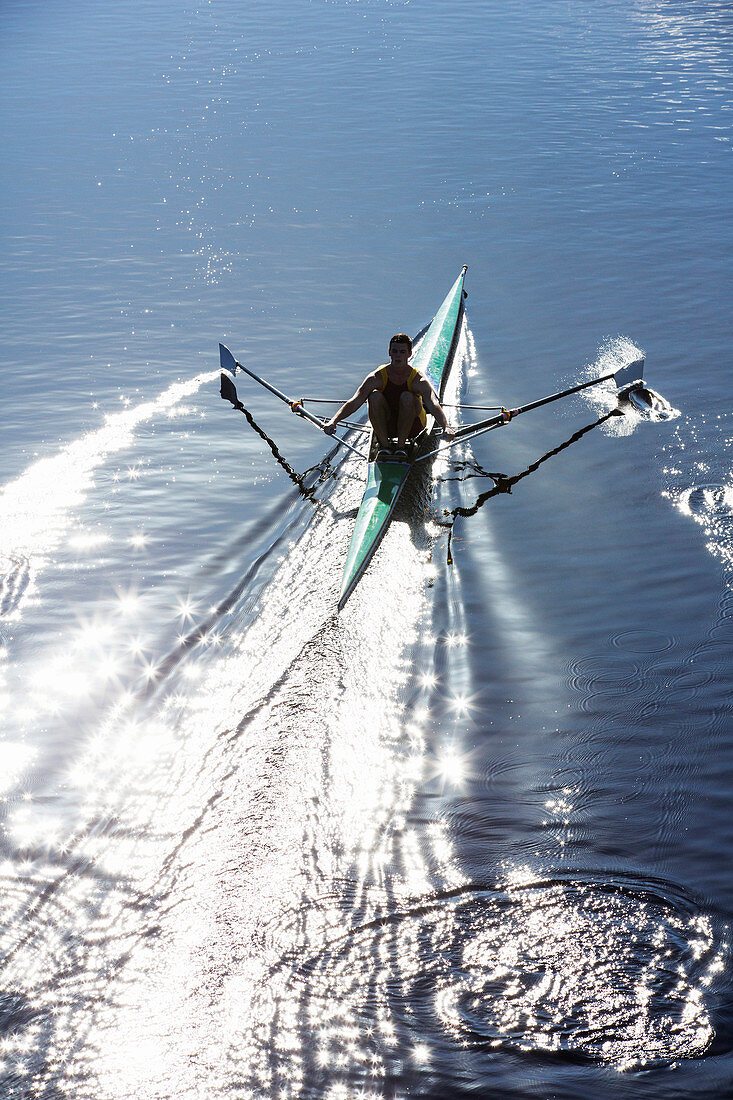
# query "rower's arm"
(368, 386)
(431, 403)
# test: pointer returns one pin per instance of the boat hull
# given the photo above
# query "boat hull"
(386, 480)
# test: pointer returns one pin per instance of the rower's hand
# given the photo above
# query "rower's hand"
(448, 432)
(329, 428)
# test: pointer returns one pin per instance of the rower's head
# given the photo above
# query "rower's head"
(400, 348)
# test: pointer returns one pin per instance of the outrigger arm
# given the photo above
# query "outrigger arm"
(230, 364)
(626, 378)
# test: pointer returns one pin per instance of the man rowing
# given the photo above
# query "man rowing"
(399, 398)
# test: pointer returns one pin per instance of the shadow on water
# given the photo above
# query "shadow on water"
(504, 483)
(305, 484)
(252, 900)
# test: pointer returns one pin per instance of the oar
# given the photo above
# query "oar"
(626, 377)
(229, 393)
(229, 363)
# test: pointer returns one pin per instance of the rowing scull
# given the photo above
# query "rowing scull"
(386, 479)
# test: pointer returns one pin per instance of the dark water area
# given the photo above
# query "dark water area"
(471, 836)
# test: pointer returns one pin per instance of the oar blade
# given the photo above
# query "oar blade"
(629, 375)
(227, 360)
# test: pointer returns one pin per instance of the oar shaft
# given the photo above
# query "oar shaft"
(283, 397)
(563, 393)
(296, 406)
(495, 420)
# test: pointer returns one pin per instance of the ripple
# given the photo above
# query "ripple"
(708, 501)
(609, 971)
(688, 685)
(642, 641)
(609, 668)
(711, 506)
(602, 972)
(604, 674)
(497, 768)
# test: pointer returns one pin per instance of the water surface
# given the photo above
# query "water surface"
(468, 837)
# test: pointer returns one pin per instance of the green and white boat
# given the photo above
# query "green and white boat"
(386, 479)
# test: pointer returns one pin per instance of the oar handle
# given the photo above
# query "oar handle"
(484, 425)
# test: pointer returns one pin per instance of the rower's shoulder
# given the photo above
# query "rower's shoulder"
(419, 377)
(373, 379)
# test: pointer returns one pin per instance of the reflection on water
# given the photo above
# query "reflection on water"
(431, 845)
(37, 509)
(235, 884)
(611, 972)
(220, 815)
(698, 478)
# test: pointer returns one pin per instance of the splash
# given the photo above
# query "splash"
(699, 481)
(639, 404)
(650, 405)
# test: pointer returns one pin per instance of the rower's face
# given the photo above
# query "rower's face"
(399, 354)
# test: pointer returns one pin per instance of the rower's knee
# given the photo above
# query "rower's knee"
(376, 401)
(409, 401)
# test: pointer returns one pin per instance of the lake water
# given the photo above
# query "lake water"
(472, 836)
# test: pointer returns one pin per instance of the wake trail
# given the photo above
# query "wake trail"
(36, 509)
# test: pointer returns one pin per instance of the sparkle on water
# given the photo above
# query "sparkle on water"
(235, 870)
(256, 958)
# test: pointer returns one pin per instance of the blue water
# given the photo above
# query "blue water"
(472, 836)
